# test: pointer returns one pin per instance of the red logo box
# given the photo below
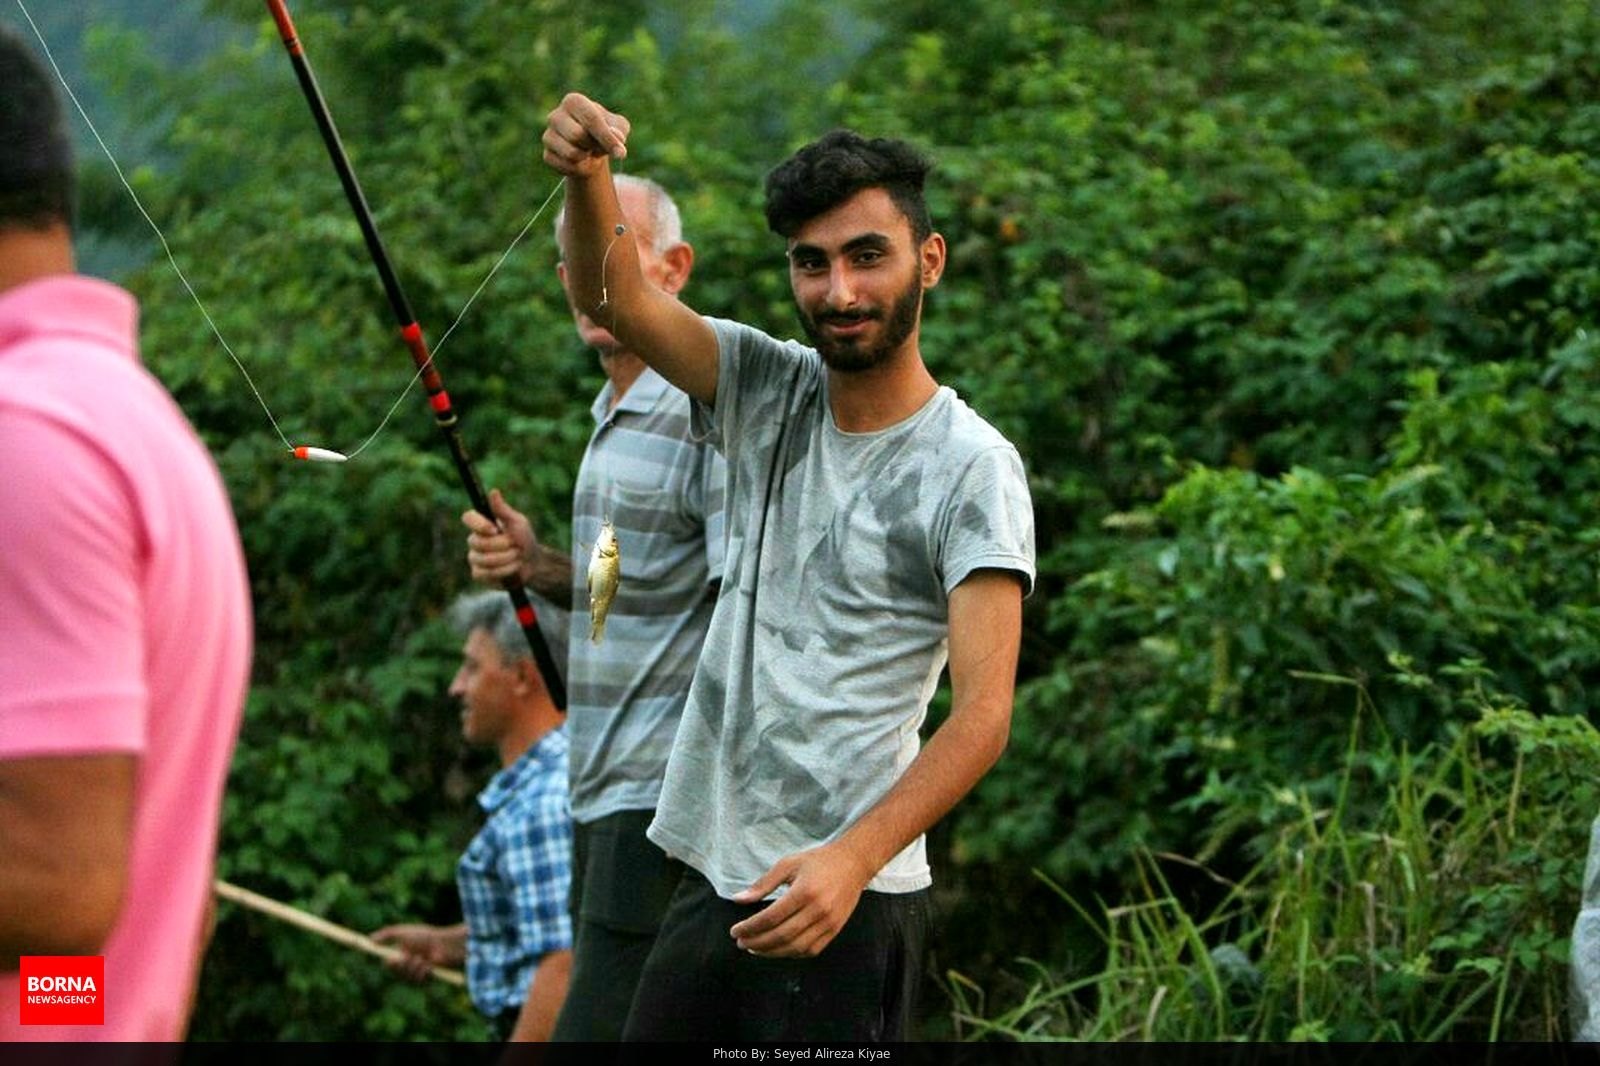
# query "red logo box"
(63, 990)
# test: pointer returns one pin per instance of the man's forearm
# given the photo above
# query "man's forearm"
(546, 992)
(591, 217)
(955, 758)
(42, 915)
(65, 827)
(453, 939)
(985, 636)
(549, 573)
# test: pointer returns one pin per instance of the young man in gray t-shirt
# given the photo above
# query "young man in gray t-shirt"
(877, 528)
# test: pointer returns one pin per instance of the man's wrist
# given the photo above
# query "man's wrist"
(862, 857)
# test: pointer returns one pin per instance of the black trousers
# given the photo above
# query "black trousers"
(621, 885)
(698, 985)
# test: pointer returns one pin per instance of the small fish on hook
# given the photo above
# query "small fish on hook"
(605, 574)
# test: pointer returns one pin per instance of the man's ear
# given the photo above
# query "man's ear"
(932, 255)
(677, 262)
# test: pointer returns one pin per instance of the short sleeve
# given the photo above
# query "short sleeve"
(988, 521)
(536, 862)
(72, 675)
(757, 379)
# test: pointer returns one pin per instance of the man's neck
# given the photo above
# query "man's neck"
(623, 369)
(30, 254)
(519, 741)
(864, 401)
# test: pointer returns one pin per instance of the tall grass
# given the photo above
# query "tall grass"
(1435, 909)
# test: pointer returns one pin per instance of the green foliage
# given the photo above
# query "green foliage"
(1288, 307)
(1292, 320)
(1441, 915)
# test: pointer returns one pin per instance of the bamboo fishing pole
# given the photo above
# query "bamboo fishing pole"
(438, 399)
(324, 928)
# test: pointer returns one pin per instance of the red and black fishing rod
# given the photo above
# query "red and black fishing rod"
(443, 413)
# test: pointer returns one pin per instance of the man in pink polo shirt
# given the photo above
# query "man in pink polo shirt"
(125, 625)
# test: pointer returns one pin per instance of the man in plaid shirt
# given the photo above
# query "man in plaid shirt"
(514, 877)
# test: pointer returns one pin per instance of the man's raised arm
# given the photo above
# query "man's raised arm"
(580, 140)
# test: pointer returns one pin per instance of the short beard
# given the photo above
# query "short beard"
(846, 356)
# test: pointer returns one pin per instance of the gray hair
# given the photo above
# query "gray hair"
(493, 613)
(665, 222)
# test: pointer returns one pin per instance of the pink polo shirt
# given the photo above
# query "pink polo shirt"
(125, 622)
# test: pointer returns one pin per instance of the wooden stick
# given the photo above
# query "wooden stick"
(323, 928)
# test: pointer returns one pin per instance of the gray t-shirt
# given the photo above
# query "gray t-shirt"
(831, 626)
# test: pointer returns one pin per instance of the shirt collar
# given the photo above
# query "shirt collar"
(70, 305)
(641, 397)
(529, 765)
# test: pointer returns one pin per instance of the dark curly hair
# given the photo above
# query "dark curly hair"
(36, 178)
(828, 171)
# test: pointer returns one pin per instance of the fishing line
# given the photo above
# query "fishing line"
(159, 235)
(435, 352)
(605, 293)
(605, 301)
(302, 451)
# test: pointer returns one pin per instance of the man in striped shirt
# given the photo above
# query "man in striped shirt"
(662, 491)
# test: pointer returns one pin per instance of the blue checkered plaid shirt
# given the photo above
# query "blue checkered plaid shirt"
(514, 876)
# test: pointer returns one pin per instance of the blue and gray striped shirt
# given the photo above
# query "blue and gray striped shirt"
(663, 492)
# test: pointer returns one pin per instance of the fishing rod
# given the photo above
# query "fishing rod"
(443, 412)
(324, 928)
